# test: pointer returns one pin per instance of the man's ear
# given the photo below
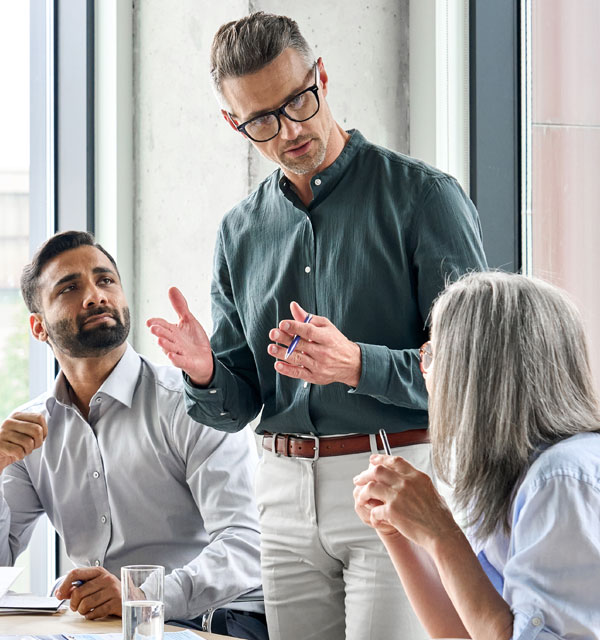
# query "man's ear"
(38, 328)
(230, 120)
(322, 76)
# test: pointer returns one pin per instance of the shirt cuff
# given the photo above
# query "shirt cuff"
(530, 626)
(213, 392)
(206, 405)
(373, 372)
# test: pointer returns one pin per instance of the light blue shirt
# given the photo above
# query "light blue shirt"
(140, 482)
(548, 569)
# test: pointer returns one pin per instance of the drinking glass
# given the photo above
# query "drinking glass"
(142, 599)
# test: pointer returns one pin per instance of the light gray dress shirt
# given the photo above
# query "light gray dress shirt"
(140, 483)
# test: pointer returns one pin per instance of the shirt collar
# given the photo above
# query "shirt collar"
(120, 384)
(322, 183)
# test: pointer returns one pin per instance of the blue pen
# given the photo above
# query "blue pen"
(296, 339)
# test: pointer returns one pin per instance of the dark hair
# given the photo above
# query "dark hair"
(54, 246)
(247, 45)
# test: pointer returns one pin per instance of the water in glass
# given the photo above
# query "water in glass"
(143, 620)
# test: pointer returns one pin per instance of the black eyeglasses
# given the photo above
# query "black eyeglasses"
(303, 106)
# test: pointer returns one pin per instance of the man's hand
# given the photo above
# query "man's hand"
(97, 597)
(323, 354)
(186, 344)
(20, 434)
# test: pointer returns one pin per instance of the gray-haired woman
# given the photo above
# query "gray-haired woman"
(514, 424)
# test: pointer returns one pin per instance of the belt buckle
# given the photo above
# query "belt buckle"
(316, 441)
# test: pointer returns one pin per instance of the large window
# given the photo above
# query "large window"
(14, 213)
(46, 184)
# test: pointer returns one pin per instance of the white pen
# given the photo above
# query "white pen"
(384, 439)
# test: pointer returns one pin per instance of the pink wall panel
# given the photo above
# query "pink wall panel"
(566, 61)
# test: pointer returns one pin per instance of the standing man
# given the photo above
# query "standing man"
(111, 456)
(363, 239)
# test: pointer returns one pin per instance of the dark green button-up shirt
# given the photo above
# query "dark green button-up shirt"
(373, 249)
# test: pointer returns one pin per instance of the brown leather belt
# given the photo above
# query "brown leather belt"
(314, 447)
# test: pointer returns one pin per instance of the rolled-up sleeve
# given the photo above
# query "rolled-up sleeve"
(551, 577)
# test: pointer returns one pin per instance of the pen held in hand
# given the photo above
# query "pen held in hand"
(385, 441)
(296, 339)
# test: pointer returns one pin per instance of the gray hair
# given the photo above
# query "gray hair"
(251, 43)
(511, 374)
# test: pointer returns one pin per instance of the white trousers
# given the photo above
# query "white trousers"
(326, 575)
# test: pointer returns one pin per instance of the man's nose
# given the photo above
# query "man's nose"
(94, 296)
(290, 129)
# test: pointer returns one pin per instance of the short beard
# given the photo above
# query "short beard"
(301, 166)
(93, 343)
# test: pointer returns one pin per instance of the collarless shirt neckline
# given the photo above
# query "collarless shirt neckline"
(323, 183)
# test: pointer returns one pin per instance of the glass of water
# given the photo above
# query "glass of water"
(142, 599)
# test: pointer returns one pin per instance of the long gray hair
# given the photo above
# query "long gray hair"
(247, 45)
(511, 374)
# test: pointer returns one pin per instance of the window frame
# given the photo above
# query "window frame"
(61, 179)
(495, 127)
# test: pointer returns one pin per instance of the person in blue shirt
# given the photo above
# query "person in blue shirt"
(514, 423)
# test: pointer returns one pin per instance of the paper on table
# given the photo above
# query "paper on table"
(169, 635)
(7, 576)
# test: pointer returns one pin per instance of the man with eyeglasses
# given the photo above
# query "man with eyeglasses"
(345, 245)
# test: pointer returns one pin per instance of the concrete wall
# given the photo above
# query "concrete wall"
(190, 167)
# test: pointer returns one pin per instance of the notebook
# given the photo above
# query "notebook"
(7, 576)
(15, 603)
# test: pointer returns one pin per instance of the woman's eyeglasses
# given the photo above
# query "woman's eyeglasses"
(425, 357)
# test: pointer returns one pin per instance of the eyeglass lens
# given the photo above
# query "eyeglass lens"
(426, 357)
(302, 107)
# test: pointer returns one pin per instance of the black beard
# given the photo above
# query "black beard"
(89, 343)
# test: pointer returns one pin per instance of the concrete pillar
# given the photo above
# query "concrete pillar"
(190, 167)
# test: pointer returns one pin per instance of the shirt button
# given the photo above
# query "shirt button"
(213, 391)
(223, 413)
(536, 622)
(96, 474)
(307, 269)
(97, 563)
(98, 400)
(103, 519)
(305, 385)
(318, 182)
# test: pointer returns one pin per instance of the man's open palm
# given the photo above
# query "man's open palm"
(186, 344)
